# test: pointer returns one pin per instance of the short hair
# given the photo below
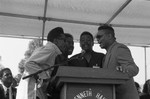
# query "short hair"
(2, 71)
(146, 87)
(87, 33)
(68, 35)
(107, 27)
(137, 85)
(55, 33)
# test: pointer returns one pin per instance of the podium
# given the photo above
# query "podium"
(87, 83)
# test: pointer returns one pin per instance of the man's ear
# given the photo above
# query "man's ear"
(109, 36)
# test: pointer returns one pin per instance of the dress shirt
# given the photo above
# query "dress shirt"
(42, 58)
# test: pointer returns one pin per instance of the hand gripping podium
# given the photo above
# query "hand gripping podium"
(87, 83)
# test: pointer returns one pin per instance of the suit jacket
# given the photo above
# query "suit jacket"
(2, 93)
(145, 96)
(96, 59)
(120, 55)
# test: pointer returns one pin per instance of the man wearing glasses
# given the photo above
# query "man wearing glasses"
(118, 57)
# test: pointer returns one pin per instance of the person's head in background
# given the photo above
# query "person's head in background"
(28, 53)
(21, 66)
(34, 44)
(105, 36)
(146, 87)
(69, 44)
(1, 65)
(86, 41)
(6, 77)
(138, 87)
(57, 37)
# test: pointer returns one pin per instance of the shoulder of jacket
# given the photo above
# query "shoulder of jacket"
(117, 45)
(76, 55)
(98, 53)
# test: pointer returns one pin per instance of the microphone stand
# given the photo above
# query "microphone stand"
(40, 71)
(36, 77)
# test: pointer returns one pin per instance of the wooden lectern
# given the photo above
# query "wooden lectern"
(87, 83)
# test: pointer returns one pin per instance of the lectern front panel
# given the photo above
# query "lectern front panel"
(87, 91)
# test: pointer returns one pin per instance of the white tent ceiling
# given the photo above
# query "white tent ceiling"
(35, 18)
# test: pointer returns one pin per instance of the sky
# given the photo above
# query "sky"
(12, 51)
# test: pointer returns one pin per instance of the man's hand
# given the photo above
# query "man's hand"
(122, 69)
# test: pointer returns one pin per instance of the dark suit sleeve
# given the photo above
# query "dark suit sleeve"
(97, 59)
(14, 91)
(1, 92)
(100, 59)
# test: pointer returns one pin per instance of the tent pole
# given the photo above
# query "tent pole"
(118, 11)
(145, 63)
(44, 20)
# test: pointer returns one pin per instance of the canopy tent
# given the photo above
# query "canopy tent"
(35, 18)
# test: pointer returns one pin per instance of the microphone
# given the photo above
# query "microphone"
(78, 57)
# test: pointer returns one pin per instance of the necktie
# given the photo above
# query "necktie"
(103, 61)
(7, 93)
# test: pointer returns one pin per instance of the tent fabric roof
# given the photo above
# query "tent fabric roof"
(35, 18)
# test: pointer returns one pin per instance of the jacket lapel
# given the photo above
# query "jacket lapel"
(14, 93)
(2, 94)
(106, 60)
(108, 56)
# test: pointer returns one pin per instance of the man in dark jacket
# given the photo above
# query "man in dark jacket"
(6, 89)
(88, 57)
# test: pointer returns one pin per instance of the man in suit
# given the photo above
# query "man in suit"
(63, 60)
(6, 89)
(88, 57)
(118, 57)
(69, 49)
(69, 44)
